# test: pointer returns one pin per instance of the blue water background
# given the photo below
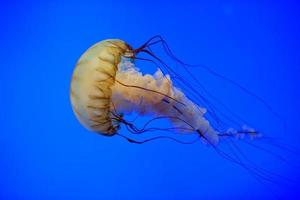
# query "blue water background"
(46, 154)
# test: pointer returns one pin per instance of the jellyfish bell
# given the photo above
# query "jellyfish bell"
(91, 85)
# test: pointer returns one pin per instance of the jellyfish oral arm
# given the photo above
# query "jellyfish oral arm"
(155, 95)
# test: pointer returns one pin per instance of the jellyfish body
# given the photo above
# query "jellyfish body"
(106, 83)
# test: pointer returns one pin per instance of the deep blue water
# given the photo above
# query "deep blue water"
(46, 154)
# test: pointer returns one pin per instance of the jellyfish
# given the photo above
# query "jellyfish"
(107, 86)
